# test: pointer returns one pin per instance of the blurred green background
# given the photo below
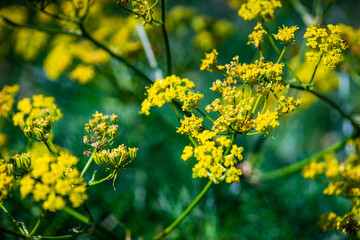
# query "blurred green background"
(158, 185)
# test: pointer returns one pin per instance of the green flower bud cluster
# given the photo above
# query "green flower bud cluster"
(22, 162)
(141, 8)
(101, 132)
(38, 127)
(115, 158)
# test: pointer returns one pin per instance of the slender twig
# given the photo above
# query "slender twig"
(87, 166)
(185, 213)
(293, 168)
(86, 35)
(86, 220)
(166, 40)
(328, 101)
(40, 28)
(37, 224)
(51, 147)
(316, 67)
(23, 231)
(206, 116)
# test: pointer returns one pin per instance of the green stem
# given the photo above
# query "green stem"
(166, 40)
(328, 101)
(185, 213)
(175, 111)
(100, 181)
(51, 147)
(87, 166)
(316, 67)
(13, 220)
(282, 53)
(37, 224)
(40, 28)
(86, 220)
(206, 116)
(293, 168)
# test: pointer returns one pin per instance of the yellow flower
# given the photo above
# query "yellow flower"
(266, 122)
(326, 43)
(263, 9)
(209, 64)
(165, 90)
(190, 125)
(286, 35)
(256, 37)
(52, 180)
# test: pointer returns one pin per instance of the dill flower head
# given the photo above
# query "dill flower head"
(7, 95)
(102, 129)
(54, 181)
(256, 37)
(116, 158)
(266, 122)
(286, 35)
(142, 9)
(262, 9)
(209, 64)
(190, 125)
(211, 162)
(36, 118)
(7, 180)
(326, 43)
(165, 90)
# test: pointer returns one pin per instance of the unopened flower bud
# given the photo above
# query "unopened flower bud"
(87, 153)
(114, 118)
(133, 152)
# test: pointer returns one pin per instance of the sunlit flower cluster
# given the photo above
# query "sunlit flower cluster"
(83, 73)
(326, 43)
(53, 181)
(36, 118)
(190, 125)
(343, 179)
(286, 35)
(166, 90)
(7, 100)
(256, 37)
(211, 162)
(209, 63)
(262, 9)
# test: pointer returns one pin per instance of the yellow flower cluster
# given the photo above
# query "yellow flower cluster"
(36, 118)
(344, 179)
(286, 35)
(209, 63)
(266, 122)
(256, 37)
(211, 162)
(326, 43)
(100, 131)
(262, 9)
(352, 36)
(6, 179)
(142, 8)
(52, 180)
(166, 90)
(7, 95)
(239, 104)
(191, 126)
